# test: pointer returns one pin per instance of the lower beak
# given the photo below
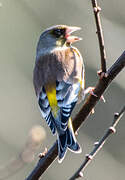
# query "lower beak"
(69, 37)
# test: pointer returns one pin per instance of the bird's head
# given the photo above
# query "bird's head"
(58, 36)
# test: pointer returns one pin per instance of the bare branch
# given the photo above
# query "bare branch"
(97, 10)
(91, 101)
(98, 145)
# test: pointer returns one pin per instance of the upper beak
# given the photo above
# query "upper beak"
(69, 37)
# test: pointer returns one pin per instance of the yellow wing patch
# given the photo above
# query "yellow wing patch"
(51, 95)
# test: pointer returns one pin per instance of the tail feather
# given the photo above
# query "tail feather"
(67, 140)
(62, 146)
(72, 144)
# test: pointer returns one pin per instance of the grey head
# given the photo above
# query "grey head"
(56, 36)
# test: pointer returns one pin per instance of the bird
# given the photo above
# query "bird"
(59, 82)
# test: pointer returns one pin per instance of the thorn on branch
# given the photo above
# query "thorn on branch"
(112, 129)
(41, 155)
(88, 156)
(102, 74)
(96, 143)
(97, 9)
(76, 133)
(116, 115)
(80, 175)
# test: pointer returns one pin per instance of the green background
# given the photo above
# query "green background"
(21, 23)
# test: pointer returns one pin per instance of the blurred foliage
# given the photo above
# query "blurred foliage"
(21, 25)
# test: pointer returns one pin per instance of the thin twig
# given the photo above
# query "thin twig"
(91, 101)
(98, 145)
(97, 10)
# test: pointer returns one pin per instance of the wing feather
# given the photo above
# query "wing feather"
(46, 110)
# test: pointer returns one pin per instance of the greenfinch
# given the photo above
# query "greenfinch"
(58, 81)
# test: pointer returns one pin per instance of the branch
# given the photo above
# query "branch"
(91, 101)
(97, 10)
(98, 145)
(101, 86)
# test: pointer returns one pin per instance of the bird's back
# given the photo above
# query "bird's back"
(58, 65)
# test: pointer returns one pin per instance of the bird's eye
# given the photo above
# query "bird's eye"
(59, 32)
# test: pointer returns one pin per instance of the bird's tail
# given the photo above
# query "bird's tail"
(67, 140)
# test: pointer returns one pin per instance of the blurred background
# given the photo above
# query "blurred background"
(21, 23)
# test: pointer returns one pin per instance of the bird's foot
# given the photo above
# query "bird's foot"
(90, 90)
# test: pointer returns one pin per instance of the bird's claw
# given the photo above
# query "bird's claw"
(90, 90)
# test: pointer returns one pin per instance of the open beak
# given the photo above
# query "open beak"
(69, 38)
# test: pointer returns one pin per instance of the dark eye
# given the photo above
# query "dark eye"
(59, 32)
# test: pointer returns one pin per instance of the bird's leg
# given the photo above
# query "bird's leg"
(90, 91)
